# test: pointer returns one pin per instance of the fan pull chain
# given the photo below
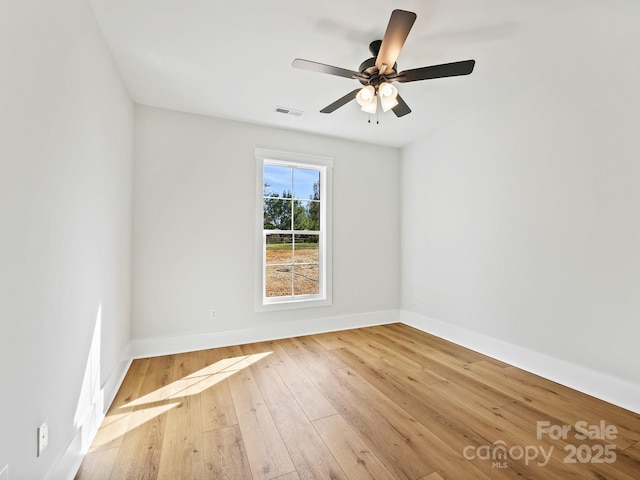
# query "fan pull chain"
(377, 118)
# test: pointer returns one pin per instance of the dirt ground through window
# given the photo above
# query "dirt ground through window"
(285, 274)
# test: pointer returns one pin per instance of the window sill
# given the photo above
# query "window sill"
(292, 305)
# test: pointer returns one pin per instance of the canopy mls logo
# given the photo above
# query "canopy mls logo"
(499, 453)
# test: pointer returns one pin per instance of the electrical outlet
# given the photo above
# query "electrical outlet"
(4, 474)
(43, 437)
(213, 314)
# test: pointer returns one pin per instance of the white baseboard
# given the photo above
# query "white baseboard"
(152, 347)
(610, 389)
(69, 463)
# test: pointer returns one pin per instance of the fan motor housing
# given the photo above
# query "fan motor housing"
(368, 68)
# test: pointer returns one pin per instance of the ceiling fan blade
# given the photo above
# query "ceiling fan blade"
(398, 29)
(340, 102)
(322, 68)
(402, 108)
(436, 71)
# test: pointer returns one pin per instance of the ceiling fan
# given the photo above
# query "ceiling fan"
(379, 72)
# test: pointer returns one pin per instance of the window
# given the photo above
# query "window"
(293, 216)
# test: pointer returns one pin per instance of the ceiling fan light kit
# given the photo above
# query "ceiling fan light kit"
(388, 96)
(376, 74)
(367, 100)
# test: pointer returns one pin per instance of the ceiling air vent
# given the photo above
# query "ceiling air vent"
(289, 111)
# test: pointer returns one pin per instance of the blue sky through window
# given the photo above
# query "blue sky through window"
(280, 180)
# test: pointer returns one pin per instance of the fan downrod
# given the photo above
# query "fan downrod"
(374, 47)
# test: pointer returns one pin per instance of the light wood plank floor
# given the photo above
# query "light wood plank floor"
(387, 402)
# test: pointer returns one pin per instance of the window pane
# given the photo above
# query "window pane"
(306, 184)
(277, 181)
(307, 249)
(278, 281)
(277, 214)
(306, 280)
(279, 249)
(306, 215)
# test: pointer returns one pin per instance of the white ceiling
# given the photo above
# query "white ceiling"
(232, 59)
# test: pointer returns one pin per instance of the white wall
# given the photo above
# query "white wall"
(522, 223)
(66, 148)
(194, 228)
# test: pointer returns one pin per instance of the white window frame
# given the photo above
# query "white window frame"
(296, 160)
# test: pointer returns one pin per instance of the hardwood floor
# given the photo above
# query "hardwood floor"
(387, 402)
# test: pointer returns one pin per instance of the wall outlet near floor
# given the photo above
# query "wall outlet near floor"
(4, 473)
(213, 314)
(43, 437)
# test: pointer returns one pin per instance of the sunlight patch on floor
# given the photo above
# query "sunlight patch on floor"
(199, 381)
